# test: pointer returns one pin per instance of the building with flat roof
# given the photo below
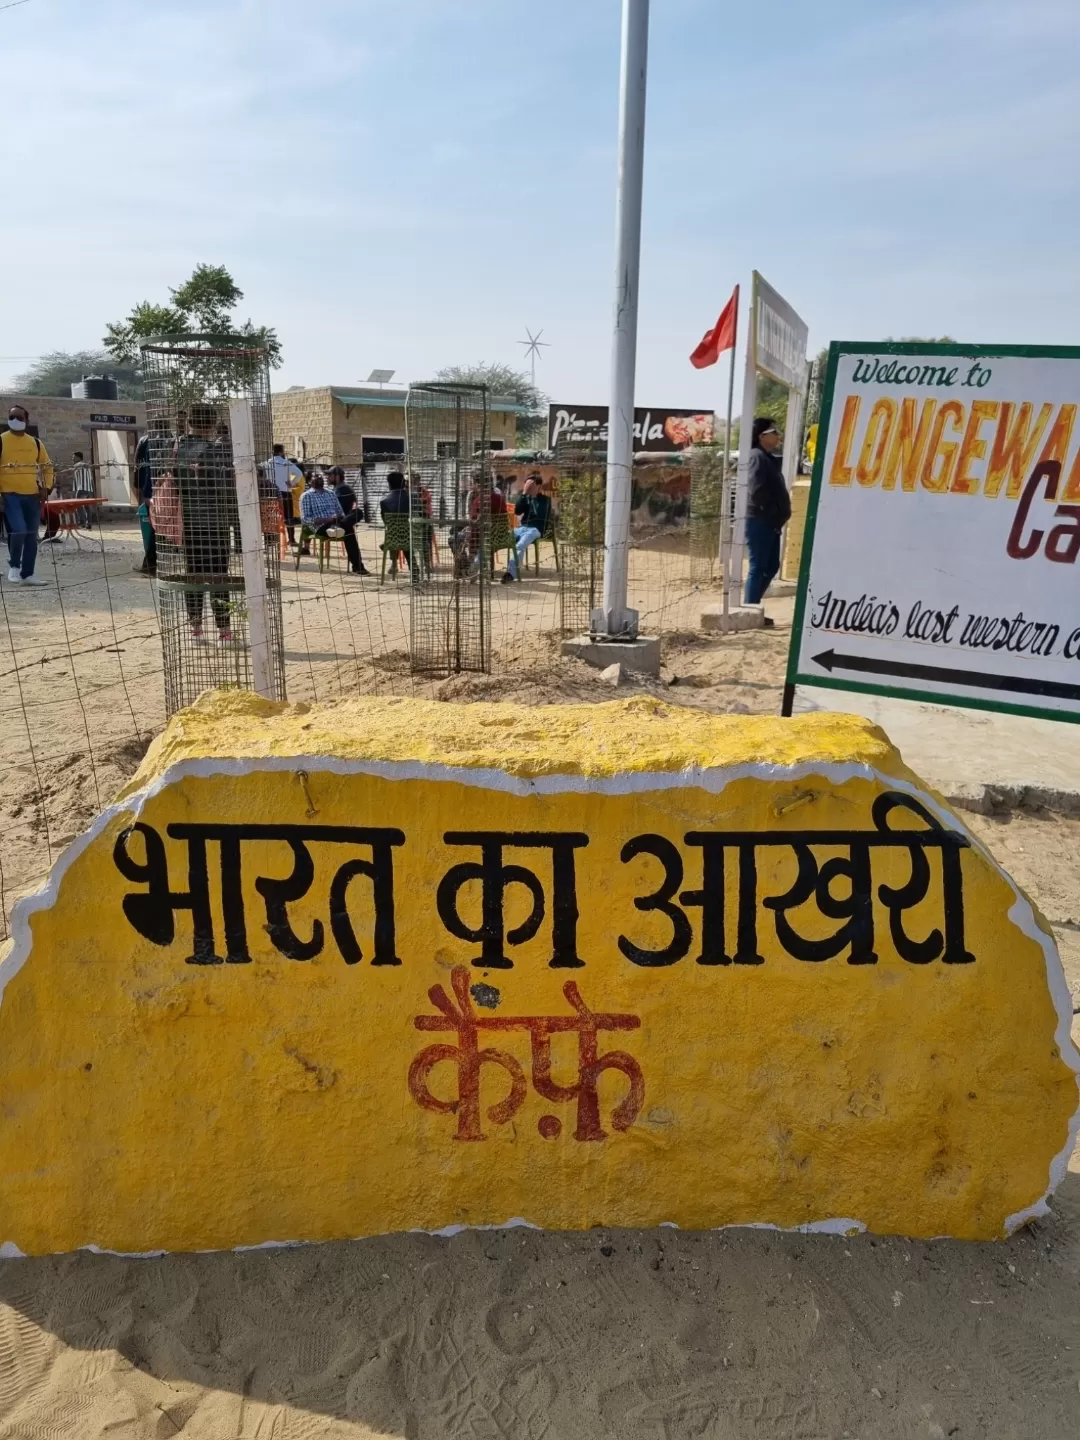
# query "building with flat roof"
(350, 424)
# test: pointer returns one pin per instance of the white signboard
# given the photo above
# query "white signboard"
(780, 336)
(942, 551)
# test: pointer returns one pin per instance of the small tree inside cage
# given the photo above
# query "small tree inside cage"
(582, 498)
(216, 516)
(448, 522)
(709, 524)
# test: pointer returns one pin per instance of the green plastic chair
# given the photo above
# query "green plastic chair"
(549, 534)
(396, 538)
(322, 547)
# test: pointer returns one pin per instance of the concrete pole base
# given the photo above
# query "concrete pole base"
(739, 617)
(642, 654)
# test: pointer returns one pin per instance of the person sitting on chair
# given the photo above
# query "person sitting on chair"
(534, 508)
(346, 498)
(465, 539)
(397, 501)
(420, 503)
(420, 492)
(343, 490)
(322, 515)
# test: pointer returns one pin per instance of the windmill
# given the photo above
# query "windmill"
(533, 346)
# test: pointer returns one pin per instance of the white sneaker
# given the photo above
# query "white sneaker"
(33, 580)
(13, 575)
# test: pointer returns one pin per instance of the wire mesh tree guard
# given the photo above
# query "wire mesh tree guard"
(191, 383)
(582, 484)
(710, 518)
(448, 529)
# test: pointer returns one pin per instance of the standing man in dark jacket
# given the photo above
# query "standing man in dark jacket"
(768, 509)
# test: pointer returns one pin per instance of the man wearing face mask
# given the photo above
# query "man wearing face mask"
(26, 477)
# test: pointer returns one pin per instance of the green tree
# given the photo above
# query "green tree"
(508, 384)
(54, 374)
(203, 304)
(772, 398)
(817, 386)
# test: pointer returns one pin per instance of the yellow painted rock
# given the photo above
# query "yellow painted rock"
(385, 965)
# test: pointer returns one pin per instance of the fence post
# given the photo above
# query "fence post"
(251, 542)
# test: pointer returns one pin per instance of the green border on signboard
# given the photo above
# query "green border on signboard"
(794, 677)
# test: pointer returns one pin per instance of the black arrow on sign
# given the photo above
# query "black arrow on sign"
(830, 660)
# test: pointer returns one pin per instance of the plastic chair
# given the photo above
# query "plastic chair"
(322, 546)
(397, 540)
(500, 537)
(549, 534)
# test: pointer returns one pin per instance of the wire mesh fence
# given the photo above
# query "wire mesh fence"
(80, 689)
(83, 672)
(191, 383)
(446, 524)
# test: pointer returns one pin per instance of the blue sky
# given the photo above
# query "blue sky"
(409, 184)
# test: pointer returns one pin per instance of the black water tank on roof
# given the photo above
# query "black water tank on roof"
(95, 387)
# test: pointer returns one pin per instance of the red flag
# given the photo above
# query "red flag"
(721, 337)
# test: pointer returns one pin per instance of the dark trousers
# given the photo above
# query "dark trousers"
(287, 511)
(349, 540)
(207, 554)
(763, 544)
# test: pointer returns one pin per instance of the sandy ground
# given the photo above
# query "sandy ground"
(545, 1336)
(633, 1335)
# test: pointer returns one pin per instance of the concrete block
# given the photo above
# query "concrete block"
(322, 972)
(739, 617)
(642, 654)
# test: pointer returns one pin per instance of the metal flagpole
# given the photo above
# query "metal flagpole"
(614, 619)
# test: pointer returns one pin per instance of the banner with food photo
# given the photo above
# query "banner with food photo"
(655, 430)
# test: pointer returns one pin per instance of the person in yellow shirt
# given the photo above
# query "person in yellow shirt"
(26, 477)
